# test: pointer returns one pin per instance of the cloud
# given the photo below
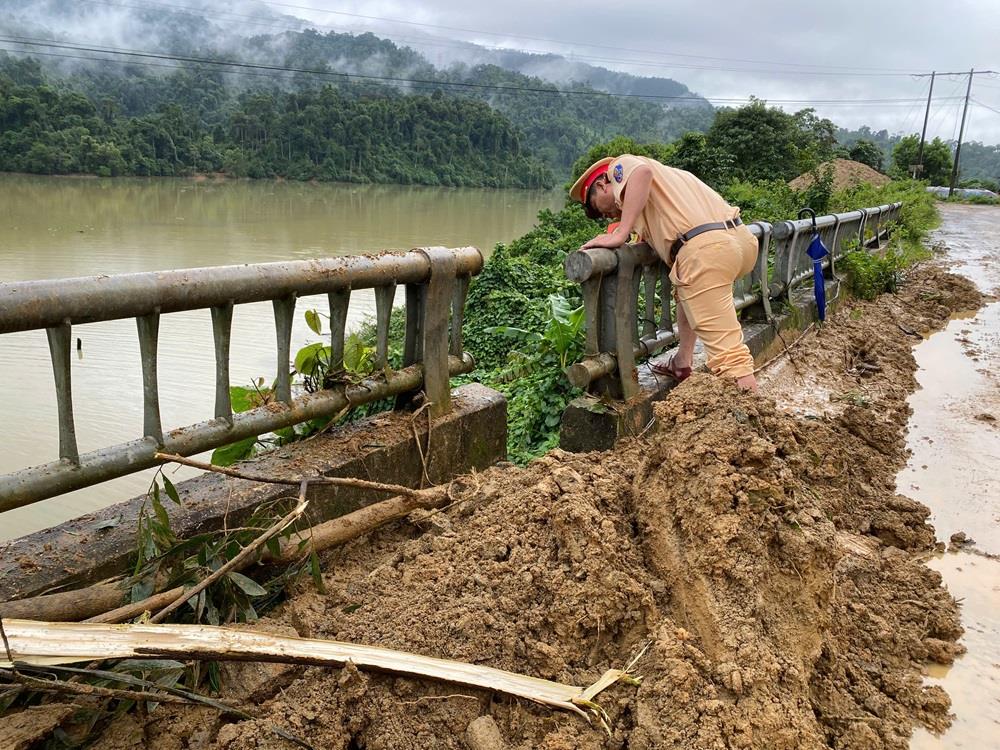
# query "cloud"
(806, 51)
(727, 50)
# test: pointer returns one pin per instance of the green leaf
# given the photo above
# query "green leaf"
(514, 333)
(214, 677)
(241, 398)
(312, 358)
(316, 572)
(146, 665)
(171, 491)
(141, 590)
(287, 435)
(247, 585)
(359, 359)
(227, 455)
(314, 322)
(212, 613)
(108, 523)
(161, 512)
(273, 547)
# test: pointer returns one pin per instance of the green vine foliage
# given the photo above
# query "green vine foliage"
(314, 371)
(870, 274)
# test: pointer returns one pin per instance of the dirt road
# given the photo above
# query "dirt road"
(955, 470)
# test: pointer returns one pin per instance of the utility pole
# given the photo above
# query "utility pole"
(923, 133)
(958, 148)
(961, 132)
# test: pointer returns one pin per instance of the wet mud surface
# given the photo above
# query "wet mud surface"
(761, 552)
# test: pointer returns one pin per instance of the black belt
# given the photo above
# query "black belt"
(701, 229)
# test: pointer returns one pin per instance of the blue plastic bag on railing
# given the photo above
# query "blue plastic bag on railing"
(817, 251)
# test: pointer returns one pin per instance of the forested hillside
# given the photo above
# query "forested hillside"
(197, 125)
(299, 104)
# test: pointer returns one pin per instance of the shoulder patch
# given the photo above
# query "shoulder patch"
(618, 172)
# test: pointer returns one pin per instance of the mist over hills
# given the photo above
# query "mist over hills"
(526, 89)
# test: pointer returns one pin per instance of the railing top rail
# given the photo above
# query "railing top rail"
(29, 305)
(583, 265)
(783, 229)
(593, 262)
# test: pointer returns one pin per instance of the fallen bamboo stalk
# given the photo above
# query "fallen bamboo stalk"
(358, 523)
(75, 604)
(51, 643)
(105, 602)
(128, 611)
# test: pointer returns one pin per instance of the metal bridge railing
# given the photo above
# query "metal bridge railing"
(626, 292)
(436, 282)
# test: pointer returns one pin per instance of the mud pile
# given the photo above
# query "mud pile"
(765, 557)
(846, 174)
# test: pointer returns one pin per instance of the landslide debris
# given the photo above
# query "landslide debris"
(764, 557)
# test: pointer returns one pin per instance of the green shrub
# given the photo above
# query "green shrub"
(872, 274)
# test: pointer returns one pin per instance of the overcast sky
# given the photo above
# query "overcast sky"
(806, 51)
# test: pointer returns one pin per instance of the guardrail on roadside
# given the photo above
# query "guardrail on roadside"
(436, 281)
(617, 283)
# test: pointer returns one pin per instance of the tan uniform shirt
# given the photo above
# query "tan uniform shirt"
(678, 201)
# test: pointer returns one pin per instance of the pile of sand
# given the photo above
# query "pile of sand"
(765, 557)
(846, 174)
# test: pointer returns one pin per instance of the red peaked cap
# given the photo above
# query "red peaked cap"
(591, 178)
(583, 183)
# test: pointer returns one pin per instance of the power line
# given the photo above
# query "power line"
(985, 106)
(938, 118)
(818, 70)
(346, 77)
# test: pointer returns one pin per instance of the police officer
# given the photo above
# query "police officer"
(698, 235)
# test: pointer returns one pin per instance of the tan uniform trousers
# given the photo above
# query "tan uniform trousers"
(703, 277)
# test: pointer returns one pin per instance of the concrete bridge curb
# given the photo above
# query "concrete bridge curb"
(473, 435)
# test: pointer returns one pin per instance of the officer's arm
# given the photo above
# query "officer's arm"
(634, 199)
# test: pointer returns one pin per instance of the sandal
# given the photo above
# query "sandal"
(677, 373)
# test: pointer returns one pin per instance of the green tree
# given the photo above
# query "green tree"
(709, 163)
(762, 140)
(867, 152)
(937, 159)
(662, 152)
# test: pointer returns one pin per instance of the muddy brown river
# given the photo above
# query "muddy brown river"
(60, 227)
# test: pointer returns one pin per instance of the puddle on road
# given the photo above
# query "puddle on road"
(954, 433)
(954, 469)
(973, 682)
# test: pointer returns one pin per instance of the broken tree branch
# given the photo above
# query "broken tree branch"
(395, 489)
